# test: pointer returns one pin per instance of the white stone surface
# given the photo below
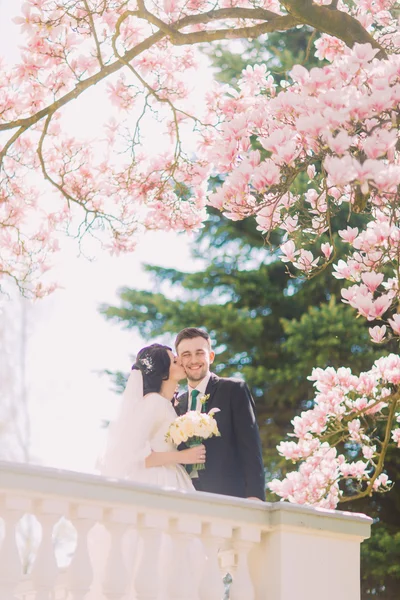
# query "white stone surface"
(161, 542)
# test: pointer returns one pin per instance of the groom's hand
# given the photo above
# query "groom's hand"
(254, 498)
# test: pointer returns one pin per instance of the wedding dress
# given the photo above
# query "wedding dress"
(140, 429)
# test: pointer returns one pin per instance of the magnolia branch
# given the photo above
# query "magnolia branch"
(341, 25)
(382, 455)
(91, 214)
(94, 32)
(84, 85)
(153, 92)
(330, 20)
(10, 142)
(273, 22)
(94, 214)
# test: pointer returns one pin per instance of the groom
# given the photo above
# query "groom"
(234, 465)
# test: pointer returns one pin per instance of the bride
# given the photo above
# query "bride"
(138, 451)
(136, 447)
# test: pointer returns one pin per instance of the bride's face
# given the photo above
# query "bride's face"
(176, 371)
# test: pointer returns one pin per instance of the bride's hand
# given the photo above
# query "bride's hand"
(194, 455)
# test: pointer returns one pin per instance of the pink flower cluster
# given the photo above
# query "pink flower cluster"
(344, 406)
(316, 481)
(338, 124)
(109, 188)
(113, 188)
(374, 250)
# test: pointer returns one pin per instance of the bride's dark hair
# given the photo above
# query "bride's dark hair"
(154, 363)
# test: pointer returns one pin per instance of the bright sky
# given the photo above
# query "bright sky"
(70, 342)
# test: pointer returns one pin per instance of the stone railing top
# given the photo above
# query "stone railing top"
(37, 482)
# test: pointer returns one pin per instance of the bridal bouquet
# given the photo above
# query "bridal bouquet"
(192, 428)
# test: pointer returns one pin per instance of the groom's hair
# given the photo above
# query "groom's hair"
(191, 332)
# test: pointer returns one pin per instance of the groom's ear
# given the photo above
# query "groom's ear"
(212, 356)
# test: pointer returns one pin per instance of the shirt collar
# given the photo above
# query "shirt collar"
(202, 386)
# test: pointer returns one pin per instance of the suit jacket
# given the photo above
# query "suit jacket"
(234, 465)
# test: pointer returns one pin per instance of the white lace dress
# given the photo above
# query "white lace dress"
(155, 414)
(140, 429)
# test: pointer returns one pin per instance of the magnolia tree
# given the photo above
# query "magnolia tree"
(335, 126)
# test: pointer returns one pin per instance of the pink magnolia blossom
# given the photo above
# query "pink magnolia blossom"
(395, 323)
(355, 469)
(289, 251)
(368, 307)
(354, 430)
(350, 294)
(388, 368)
(311, 171)
(372, 280)
(268, 217)
(327, 250)
(377, 333)
(349, 234)
(340, 143)
(379, 143)
(343, 270)
(265, 175)
(290, 224)
(396, 436)
(364, 53)
(305, 261)
(368, 452)
(381, 481)
(341, 170)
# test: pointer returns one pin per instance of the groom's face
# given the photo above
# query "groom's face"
(196, 357)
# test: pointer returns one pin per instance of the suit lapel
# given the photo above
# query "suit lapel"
(182, 404)
(211, 389)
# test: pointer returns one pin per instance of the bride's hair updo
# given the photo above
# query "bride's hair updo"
(154, 363)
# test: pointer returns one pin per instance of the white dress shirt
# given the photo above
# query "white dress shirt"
(202, 386)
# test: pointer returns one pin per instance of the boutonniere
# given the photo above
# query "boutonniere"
(203, 401)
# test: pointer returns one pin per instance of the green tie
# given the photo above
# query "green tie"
(193, 402)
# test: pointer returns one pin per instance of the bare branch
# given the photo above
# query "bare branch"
(154, 93)
(198, 37)
(93, 28)
(10, 142)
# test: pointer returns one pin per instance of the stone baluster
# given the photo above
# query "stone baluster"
(244, 539)
(45, 570)
(118, 575)
(79, 575)
(259, 570)
(147, 576)
(214, 536)
(184, 575)
(12, 508)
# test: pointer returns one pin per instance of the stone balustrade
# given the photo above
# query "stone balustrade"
(125, 541)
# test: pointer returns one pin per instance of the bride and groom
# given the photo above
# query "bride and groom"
(137, 447)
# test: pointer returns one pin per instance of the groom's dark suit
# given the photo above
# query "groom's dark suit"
(234, 465)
